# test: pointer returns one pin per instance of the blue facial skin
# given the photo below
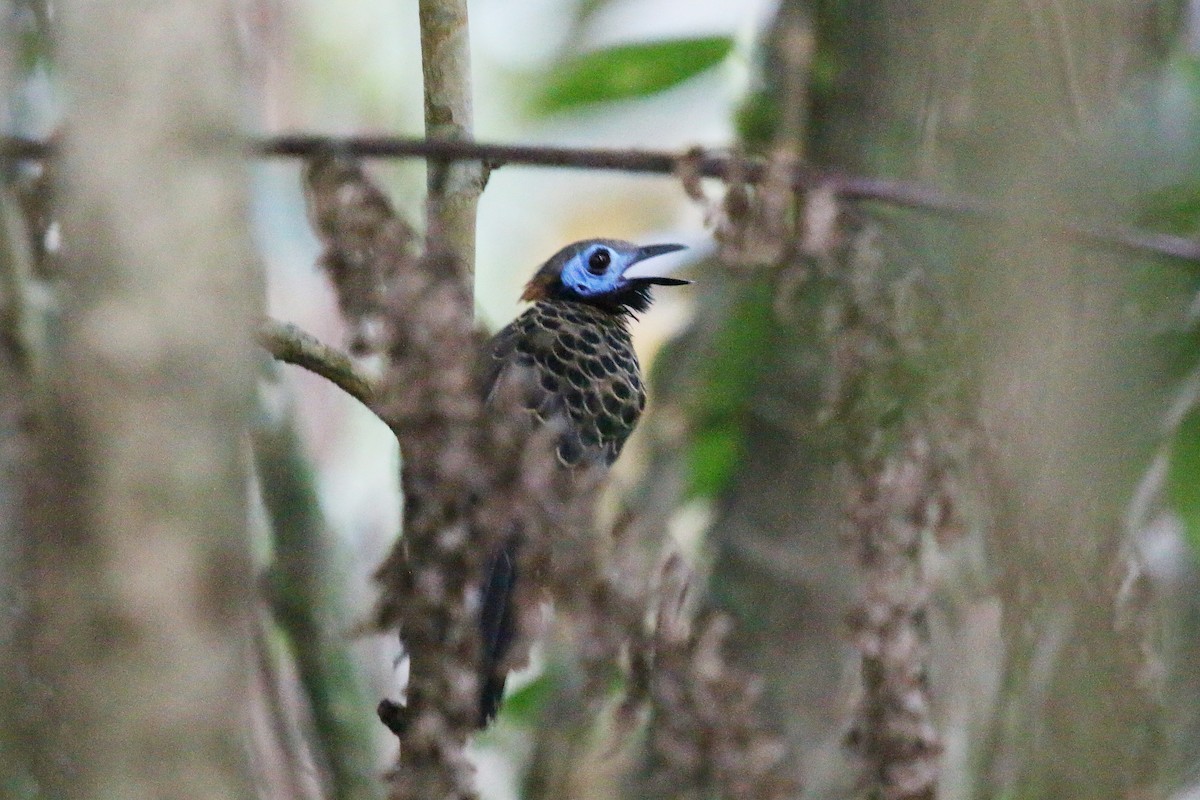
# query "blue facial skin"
(597, 270)
(596, 273)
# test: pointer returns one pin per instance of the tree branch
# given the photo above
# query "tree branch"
(454, 188)
(904, 194)
(290, 344)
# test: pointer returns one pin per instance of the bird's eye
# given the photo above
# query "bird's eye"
(599, 261)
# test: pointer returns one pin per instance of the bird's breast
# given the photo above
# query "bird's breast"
(586, 374)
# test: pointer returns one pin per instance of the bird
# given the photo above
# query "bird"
(573, 351)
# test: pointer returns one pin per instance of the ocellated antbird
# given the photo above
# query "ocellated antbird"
(582, 375)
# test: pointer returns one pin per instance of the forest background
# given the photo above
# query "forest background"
(915, 508)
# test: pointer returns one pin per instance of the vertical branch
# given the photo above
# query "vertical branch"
(19, 373)
(471, 475)
(894, 732)
(281, 760)
(897, 436)
(1072, 397)
(137, 510)
(16, 397)
(446, 66)
(23, 319)
(430, 402)
(427, 397)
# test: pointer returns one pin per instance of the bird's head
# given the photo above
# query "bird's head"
(599, 272)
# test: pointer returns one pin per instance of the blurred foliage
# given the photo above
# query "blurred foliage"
(1172, 205)
(758, 118)
(628, 71)
(882, 101)
(1183, 481)
(1175, 210)
(31, 49)
(29, 30)
(1165, 131)
(718, 441)
(721, 390)
(587, 9)
(304, 589)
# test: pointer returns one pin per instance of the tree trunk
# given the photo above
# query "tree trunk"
(1041, 680)
(138, 568)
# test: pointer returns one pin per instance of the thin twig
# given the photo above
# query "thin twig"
(289, 343)
(905, 194)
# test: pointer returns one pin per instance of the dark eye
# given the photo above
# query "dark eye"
(599, 261)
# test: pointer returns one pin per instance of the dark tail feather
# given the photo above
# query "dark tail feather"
(497, 625)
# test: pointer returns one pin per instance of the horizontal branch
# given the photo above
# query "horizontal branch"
(288, 343)
(722, 165)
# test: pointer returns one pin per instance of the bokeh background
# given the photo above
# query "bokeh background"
(951, 442)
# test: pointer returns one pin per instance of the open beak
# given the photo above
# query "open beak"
(636, 272)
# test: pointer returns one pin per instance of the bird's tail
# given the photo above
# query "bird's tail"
(497, 624)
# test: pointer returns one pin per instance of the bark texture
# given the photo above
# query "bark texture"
(138, 566)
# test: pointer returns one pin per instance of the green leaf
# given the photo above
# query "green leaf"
(524, 706)
(1183, 476)
(630, 70)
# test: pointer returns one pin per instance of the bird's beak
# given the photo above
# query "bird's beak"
(636, 273)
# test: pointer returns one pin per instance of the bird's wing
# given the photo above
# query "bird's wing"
(499, 354)
(503, 364)
(521, 360)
